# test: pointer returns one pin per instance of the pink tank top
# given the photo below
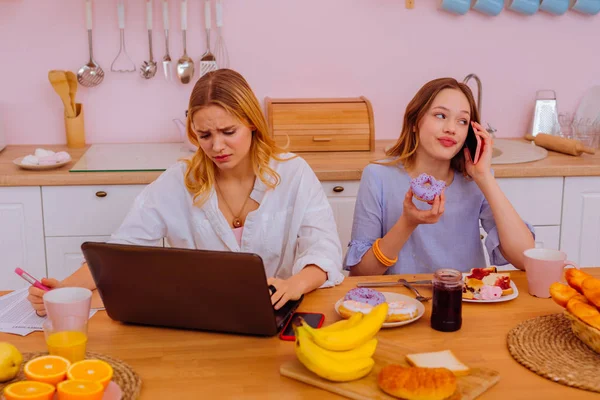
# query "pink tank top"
(238, 234)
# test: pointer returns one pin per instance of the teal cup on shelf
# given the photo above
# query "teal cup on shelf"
(556, 7)
(591, 7)
(489, 7)
(526, 7)
(456, 6)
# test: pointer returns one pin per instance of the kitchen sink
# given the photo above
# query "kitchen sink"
(511, 151)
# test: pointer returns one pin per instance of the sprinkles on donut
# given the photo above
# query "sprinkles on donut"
(426, 187)
(365, 295)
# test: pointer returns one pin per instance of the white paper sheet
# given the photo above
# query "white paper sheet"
(18, 317)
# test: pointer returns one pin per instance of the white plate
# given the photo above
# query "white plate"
(39, 167)
(500, 299)
(390, 297)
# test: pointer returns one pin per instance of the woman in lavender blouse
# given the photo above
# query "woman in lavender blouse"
(445, 234)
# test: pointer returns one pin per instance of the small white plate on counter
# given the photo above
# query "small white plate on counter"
(391, 297)
(500, 299)
(19, 160)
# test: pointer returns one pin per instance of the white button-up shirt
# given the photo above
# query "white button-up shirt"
(292, 228)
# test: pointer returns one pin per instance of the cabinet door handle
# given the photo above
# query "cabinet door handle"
(321, 139)
(338, 189)
(101, 193)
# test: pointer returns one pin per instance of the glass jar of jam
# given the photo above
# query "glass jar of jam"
(446, 309)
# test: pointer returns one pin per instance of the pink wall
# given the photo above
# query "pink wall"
(302, 48)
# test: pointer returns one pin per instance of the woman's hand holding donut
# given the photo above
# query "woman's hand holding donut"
(413, 216)
(482, 169)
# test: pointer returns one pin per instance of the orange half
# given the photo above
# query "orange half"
(48, 369)
(80, 390)
(91, 370)
(29, 390)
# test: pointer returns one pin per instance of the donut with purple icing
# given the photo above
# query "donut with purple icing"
(426, 187)
(365, 295)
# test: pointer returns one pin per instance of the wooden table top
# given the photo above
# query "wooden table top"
(187, 364)
(328, 166)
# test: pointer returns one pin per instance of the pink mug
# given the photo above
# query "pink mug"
(65, 305)
(543, 267)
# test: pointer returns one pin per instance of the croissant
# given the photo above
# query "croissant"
(561, 293)
(585, 312)
(414, 383)
(575, 278)
(591, 290)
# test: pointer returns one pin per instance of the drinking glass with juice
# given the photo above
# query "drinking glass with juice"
(70, 342)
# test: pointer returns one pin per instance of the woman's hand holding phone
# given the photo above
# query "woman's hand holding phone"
(482, 168)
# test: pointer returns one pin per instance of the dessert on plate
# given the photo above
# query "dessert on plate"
(486, 284)
(364, 299)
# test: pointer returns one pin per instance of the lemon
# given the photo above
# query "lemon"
(10, 361)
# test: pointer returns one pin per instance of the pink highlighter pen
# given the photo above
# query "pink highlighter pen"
(34, 282)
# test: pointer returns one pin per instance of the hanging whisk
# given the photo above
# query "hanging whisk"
(220, 49)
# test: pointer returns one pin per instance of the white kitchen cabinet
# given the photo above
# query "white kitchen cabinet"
(21, 235)
(342, 197)
(63, 254)
(580, 237)
(86, 210)
(537, 200)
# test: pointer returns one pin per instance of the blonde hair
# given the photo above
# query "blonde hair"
(229, 90)
(404, 150)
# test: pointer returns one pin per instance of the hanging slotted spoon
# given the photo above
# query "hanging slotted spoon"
(90, 74)
(148, 68)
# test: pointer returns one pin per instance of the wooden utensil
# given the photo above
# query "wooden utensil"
(560, 144)
(469, 387)
(59, 82)
(72, 79)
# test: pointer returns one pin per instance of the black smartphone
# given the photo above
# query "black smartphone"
(312, 319)
(473, 143)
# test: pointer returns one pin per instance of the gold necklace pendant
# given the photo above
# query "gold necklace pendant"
(237, 223)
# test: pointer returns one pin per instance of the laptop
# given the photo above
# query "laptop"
(190, 289)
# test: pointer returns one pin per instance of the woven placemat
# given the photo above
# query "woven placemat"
(123, 375)
(547, 346)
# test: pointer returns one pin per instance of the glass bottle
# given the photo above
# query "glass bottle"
(446, 309)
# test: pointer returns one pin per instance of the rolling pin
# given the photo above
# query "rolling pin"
(560, 144)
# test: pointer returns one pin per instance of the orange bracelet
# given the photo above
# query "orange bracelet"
(388, 262)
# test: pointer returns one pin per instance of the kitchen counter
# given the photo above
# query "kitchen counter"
(183, 364)
(329, 166)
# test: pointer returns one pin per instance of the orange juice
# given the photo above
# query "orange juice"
(68, 344)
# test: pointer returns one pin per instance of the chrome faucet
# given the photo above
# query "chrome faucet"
(490, 129)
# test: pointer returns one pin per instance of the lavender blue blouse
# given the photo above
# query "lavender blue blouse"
(453, 242)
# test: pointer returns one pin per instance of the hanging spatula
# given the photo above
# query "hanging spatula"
(208, 62)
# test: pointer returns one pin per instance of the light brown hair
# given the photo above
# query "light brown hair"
(228, 89)
(404, 150)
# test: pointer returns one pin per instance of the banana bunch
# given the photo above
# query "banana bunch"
(342, 351)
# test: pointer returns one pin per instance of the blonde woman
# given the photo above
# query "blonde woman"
(394, 234)
(239, 192)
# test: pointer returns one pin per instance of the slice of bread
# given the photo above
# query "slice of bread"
(439, 359)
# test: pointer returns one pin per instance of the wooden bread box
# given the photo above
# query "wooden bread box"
(328, 124)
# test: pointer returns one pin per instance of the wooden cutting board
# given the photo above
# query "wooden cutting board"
(469, 387)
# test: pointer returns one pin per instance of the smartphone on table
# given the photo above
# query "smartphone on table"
(312, 319)
(473, 143)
